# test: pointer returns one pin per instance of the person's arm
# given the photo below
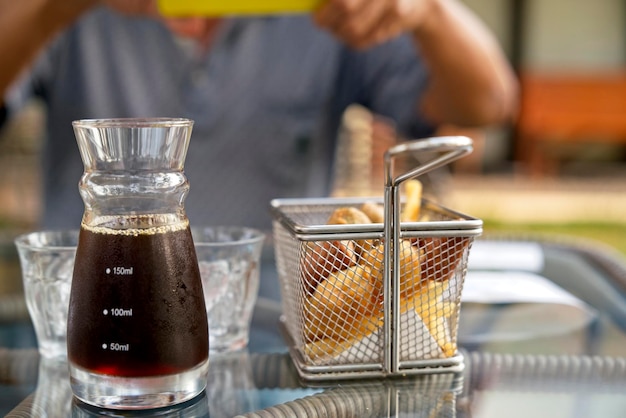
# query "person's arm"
(471, 81)
(26, 27)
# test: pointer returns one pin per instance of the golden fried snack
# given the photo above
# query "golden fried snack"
(413, 192)
(352, 216)
(410, 269)
(374, 211)
(410, 277)
(324, 258)
(339, 304)
(374, 259)
(427, 303)
(437, 325)
(348, 216)
(442, 256)
(331, 347)
(434, 312)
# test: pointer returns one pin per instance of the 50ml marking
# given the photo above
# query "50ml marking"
(120, 271)
(119, 347)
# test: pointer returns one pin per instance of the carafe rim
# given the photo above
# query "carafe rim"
(151, 122)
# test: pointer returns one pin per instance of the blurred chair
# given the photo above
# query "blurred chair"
(559, 109)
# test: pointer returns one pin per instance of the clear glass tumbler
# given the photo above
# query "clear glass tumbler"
(229, 259)
(47, 262)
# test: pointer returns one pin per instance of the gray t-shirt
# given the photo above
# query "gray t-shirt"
(266, 99)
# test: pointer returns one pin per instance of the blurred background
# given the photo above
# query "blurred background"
(559, 170)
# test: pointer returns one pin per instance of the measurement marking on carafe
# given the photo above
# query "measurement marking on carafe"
(118, 312)
(116, 347)
(119, 271)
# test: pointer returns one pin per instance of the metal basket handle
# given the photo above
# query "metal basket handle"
(450, 148)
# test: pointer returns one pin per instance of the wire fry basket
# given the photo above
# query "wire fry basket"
(374, 299)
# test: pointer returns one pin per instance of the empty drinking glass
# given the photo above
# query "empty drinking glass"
(229, 257)
(47, 261)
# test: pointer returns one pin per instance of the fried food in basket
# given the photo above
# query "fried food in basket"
(411, 210)
(340, 303)
(322, 258)
(348, 216)
(333, 347)
(410, 269)
(410, 265)
(352, 216)
(435, 313)
(427, 302)
(442, 256)
(439, 328)
(374, 211)
(343, 281)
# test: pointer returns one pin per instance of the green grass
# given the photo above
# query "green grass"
(612, 234)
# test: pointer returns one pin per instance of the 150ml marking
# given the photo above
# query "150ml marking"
(120, 271)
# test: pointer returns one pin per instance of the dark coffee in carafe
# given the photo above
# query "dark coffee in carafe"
(144, 317)
(137, 331)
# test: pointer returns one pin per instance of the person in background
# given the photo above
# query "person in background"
(266, 92)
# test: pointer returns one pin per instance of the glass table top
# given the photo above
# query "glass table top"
(555, 346)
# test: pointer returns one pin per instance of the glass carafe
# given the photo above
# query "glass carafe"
(137, 328)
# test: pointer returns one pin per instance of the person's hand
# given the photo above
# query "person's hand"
(363, 23)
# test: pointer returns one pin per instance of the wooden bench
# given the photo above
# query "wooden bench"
(564, 108)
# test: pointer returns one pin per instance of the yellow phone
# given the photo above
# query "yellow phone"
(235, 7)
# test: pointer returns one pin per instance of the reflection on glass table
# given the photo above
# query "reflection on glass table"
(544, 298)
(266, 385)
(554, 347)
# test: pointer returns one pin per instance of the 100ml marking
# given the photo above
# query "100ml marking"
(121, 312)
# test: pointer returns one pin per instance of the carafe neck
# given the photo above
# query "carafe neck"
(133, 168)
